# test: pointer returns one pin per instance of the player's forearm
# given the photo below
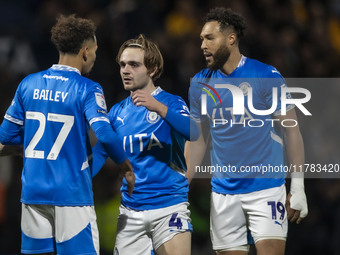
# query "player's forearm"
(294, 148)
(110, 141)
(296, 201)
(293, 142)
(297, 198)
(296, 158)
(194, 154)
(11, 133)
(183, 125)
(99, 158)
(160, 108)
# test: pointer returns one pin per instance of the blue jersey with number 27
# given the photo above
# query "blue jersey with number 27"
(56, 108)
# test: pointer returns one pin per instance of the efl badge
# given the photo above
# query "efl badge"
(100, 100)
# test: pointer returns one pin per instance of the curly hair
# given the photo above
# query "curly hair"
(152, 55)
(70, 32)
(226, 18)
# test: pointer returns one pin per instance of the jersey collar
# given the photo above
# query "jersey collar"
(242, 61)
(65, 68)
(156, 91)
(240, 64)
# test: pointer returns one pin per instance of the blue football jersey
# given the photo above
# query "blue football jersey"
(56, 108)
(155, 150)
(243, 144)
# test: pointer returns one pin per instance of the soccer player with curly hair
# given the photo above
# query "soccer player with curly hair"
(51, 114)
(244, 202)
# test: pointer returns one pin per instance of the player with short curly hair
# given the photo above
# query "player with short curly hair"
(70, 33)
(51, 114)
(227, 20)
(242, 201)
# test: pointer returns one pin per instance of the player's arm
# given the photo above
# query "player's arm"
(11, 138)
(99, 158)
(113, 147)
(194, 152)
(296, 203)
(184, 125)
(95, 112)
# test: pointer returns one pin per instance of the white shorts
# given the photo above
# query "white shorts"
(64, 230)
(143, 232)
(262, 212)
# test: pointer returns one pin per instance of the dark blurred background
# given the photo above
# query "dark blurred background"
(300, 38)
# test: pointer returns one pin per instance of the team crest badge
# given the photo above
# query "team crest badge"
(152, 117)
(244, 87)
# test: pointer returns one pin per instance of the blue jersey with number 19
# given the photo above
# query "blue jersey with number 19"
(247, 150)
(57, 107)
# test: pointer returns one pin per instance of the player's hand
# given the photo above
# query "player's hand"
(143, 98)
(129, 175)
(296, 206)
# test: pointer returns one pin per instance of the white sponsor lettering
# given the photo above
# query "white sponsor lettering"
(141, 139)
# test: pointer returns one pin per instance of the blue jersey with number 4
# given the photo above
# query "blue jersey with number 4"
(56, 108)
(247, 150)
(155, 150)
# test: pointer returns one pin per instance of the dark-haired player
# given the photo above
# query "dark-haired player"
(55, 108)
(243, 200)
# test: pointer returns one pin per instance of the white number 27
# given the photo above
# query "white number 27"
(68, 121)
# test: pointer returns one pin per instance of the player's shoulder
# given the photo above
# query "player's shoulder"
(160, 93)
(166, 97)
(203, 76)
(88, 86)
(87, 82)
(205, 73)
(262, 70)
(31, 81)
(34, 76)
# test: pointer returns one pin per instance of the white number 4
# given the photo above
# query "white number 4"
(68, 121)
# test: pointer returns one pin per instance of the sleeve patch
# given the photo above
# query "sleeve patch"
(100, 100)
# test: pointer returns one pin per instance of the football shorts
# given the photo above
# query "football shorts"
(143, 232)
(65, 229)
(263, 213)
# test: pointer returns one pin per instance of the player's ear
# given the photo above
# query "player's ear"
(84, 52)
(231, 39)
(152, 74)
